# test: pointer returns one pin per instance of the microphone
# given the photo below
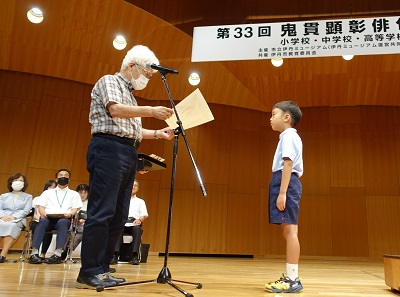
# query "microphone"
(160, 68)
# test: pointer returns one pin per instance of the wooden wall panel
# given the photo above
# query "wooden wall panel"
(345, 115)
(244, 169)
(315, 225)
(182, 224)
(182, 220)
(311, 119)
(37, 177)
(347, 166)
(214, 151)
(383, 225)
(55, 134)
(6, 24)
(21, 85)
(185, 174)
(210, 220)
(18, 118)
(54, 87)
(87, 99)
(397, 137)
(245, 151)
(162, 218)
(242, 223)
(3, 182)
(377, 118)
(317, 161)
(245, 119)
(349, 221)
(380, 163)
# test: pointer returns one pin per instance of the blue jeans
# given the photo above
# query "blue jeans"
(111, 162)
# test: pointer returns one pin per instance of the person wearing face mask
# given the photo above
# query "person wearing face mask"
(56, 208)
(112, 158)
(14, 207)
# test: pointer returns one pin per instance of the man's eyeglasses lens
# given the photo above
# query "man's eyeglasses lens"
(147, 72)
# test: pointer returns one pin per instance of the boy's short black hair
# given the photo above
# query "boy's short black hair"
(292, 108)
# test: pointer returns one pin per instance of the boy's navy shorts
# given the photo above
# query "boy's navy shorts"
(290, 214)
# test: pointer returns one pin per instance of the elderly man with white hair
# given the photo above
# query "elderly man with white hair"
(112, 159)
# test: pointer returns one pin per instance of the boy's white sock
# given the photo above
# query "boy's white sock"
(292, 271)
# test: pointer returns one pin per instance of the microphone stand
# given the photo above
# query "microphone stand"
(164, 276)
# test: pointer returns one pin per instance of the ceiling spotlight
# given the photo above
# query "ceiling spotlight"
(348, 57)
(194, 79)
(35, 15)
(277, 62)
(119, 42)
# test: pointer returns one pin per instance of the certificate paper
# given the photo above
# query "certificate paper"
(192, 111)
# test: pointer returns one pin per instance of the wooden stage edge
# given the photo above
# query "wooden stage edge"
(219, 276)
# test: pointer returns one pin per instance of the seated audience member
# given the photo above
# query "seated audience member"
(14, 207)
(50, 184)
(56, 208)
(83, 190)
(137, 214)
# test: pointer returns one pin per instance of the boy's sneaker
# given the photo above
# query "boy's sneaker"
(284, 285)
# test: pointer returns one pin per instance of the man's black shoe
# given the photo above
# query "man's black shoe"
(54, 259)
(92, 282)
(135, 259)
(118, 280)
(35, 259)
(2, 259)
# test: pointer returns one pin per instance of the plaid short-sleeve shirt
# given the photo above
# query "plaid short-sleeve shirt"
(113, 88)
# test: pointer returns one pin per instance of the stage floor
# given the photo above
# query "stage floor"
(230, 277)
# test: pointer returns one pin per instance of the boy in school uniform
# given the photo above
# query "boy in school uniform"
(285, 191)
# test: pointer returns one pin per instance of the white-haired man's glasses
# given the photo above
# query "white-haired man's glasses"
(147, 73)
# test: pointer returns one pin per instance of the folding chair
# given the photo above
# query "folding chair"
(81, 215)
(26, 250)
(28, 241)
(125, 250)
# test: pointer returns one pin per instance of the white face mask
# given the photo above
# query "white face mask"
(139, 83)
(17, 185)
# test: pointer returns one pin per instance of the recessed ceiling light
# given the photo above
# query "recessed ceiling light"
(119, 42)
(348, 57)
(194, 79)
(277, 62)
(35, 15)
